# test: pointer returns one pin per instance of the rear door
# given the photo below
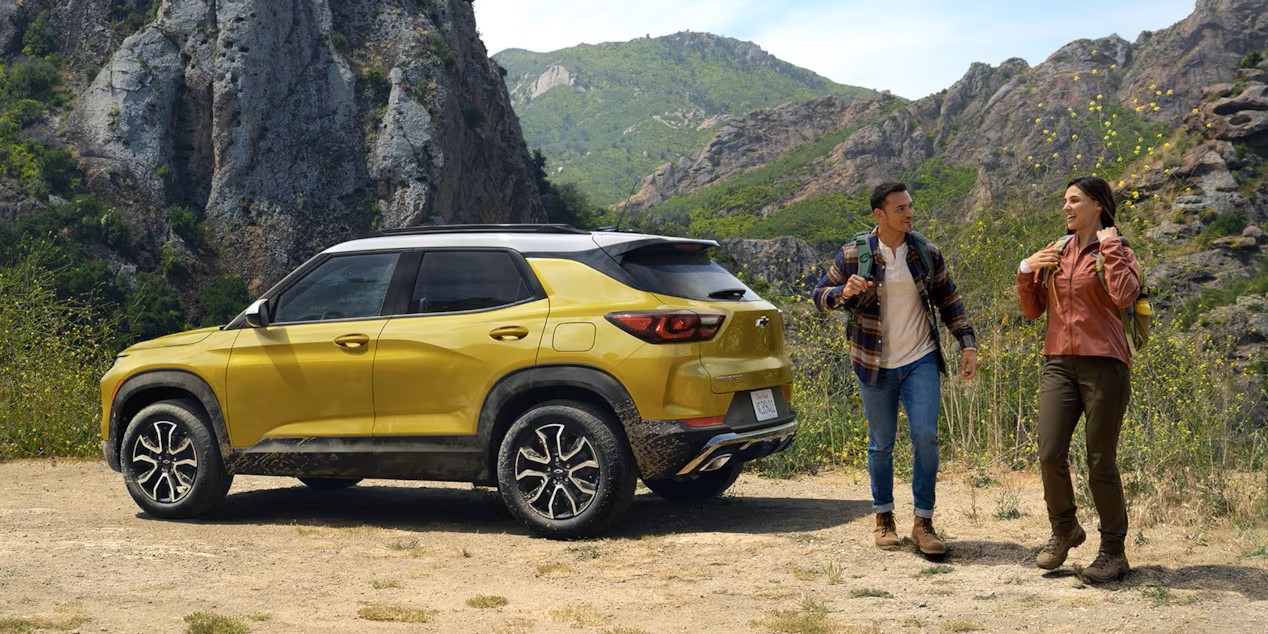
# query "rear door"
(474, 316)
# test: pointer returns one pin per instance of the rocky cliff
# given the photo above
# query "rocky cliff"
(287, 125)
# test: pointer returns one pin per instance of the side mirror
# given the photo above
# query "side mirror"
(257, 314)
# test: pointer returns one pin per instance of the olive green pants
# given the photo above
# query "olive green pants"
(1097, 387)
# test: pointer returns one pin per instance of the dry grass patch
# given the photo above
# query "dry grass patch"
(487, 601)
(579, 616)
(813, 620)
(940, 569)
(59, 622)
(211, 623)
(516, 625)
(624, 630)
(870, 592)
(384, 584)
(961, 626)
(306, 531)
(396, 613)
(409, 548)
(554, 569)
(583, 553)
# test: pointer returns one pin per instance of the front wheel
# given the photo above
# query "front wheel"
(565, 471)
(171, 462)
(697, 487)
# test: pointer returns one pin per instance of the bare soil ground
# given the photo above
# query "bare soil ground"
(773, 555)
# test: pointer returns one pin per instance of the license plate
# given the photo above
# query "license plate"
(764, 404)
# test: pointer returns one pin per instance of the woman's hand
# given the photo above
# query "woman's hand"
(1108, 232)
(1045, 257)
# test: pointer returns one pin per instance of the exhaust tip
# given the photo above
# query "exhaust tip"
(716, 463)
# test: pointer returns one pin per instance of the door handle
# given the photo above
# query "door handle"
(508, 332)
(352, 342)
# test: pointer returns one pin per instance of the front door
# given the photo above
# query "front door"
(310, 372)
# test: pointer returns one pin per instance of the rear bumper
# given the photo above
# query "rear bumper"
(749, 445)
(668, 448)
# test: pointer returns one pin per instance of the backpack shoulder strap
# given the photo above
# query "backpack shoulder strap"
(922, 248)
(864, 249)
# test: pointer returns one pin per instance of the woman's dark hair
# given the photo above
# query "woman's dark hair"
(1098, 190)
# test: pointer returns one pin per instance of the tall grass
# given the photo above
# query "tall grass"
(52, 355)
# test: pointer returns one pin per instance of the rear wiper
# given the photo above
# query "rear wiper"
(728, 293)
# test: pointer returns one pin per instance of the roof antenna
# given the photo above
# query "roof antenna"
(625, 205)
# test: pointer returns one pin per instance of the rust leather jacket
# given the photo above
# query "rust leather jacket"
(1082, 318)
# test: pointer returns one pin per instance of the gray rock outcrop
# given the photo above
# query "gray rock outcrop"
(291, 127)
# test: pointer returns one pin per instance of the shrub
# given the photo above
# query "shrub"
(33, 78)
(51, 358)
(186, 224)
(223, 299)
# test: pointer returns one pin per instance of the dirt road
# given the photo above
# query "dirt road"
(776, 555)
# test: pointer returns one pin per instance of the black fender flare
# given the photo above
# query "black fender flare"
(547, 377)
(169, 382)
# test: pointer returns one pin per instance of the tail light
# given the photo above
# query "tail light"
(668, 326)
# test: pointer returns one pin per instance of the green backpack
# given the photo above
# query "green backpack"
(863, 245)
(1136, 317)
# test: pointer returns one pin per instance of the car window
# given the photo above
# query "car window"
(467, 280)
(686, 272)
(340, 288)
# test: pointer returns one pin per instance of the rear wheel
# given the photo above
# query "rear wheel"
(565, 471)
(701, 486)
(329, 484)
(171, 462)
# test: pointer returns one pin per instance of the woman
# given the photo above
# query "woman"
(1087, 369)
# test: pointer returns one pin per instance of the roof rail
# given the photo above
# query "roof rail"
(503, 228)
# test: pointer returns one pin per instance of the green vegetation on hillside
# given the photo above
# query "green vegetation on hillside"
(640, 103)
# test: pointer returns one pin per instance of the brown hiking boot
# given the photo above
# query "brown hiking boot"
(926, 538)
(1054, 554)
(1106, 567)
(885, 533)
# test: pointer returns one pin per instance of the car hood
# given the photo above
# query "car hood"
(178, 339)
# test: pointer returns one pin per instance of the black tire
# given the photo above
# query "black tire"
(171, 462)
(329, 484)
(587, 473)
(698, 487)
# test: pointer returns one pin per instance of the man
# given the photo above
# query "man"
(897, 351)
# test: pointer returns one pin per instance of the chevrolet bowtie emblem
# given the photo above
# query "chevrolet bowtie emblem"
(762, 321)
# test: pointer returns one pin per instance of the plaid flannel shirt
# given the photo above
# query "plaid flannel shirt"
(865, 323)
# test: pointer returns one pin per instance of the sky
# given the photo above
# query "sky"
(910, 47)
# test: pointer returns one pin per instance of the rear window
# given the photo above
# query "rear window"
(684, 272)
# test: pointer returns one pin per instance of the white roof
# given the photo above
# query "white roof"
(519, 241)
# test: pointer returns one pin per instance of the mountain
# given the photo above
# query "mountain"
(216, 139)
(605, 115)
(1177, 120)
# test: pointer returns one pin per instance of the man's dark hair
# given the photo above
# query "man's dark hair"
(1098, 190)
(885, 189)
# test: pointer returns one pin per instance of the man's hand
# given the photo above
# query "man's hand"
(1108, 232)
(854, 286)
(968, 363)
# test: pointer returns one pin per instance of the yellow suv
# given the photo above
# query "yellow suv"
(558, 364)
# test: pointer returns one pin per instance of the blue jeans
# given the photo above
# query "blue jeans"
(918, 385)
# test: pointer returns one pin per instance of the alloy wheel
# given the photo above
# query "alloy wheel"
(557, 471)
(164, 462)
